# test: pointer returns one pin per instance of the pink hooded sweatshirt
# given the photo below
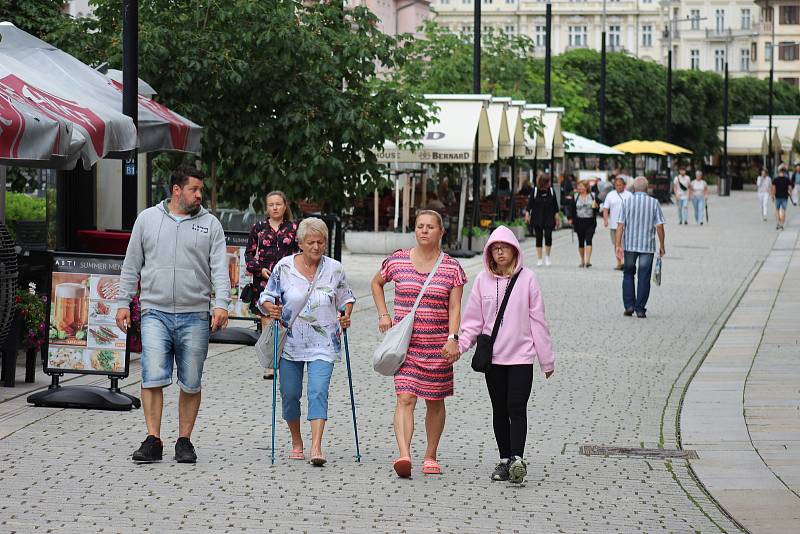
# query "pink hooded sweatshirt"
(524, 334)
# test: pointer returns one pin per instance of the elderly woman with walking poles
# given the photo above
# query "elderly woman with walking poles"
(307, 292)
(427, 369)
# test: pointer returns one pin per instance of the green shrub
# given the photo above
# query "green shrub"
(21, 207)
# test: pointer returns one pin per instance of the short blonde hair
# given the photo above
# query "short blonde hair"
(312, 225)
(435, 214)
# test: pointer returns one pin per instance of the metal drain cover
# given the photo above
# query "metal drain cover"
(637, 452)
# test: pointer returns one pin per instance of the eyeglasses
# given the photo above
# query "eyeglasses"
(497, 248)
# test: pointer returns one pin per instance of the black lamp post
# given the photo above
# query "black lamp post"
(476, 89)
(130, 107)
(602, 105)
(547, 50)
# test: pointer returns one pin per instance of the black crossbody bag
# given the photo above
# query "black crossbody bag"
(482, 359)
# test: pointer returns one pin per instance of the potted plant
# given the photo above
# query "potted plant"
(31, 309)
(479, 238)
(518, 227)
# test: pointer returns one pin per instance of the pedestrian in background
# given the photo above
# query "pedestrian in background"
(427, 371)
(781, 189)
(312, 290)
(680, 187)
(764, 186)
(542, 215)
(796, 185)
(639, 221)
(611, 209)
(584, 220)
(523, 337)
(698, 194)
(175, 254)
(270, 241)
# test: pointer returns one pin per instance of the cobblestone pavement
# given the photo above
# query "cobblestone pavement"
(618, 382)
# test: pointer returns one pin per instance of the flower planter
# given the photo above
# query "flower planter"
(519, 232)
(378, 242)
(478, 242)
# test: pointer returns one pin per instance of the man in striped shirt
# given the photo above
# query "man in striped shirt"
(640, 219)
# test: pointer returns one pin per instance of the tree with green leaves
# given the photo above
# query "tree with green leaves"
(290, 94)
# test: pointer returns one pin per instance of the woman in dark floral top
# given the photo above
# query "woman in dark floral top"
(270, 241)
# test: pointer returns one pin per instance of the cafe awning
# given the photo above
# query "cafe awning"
(576, 144)
(498, 123)
(534, 143)
(634, 146)
(788, 127)
(746, 140)
(516, 128)
(63, 86)
(450, 137)
(553, 139)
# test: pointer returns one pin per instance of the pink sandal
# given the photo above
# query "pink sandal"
(402, 466)
(431, 467)
(297, 454)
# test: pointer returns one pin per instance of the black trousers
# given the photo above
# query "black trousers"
(585, 230)
(509, 389)
(546, 233)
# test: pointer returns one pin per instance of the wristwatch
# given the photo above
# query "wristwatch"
(453, 337)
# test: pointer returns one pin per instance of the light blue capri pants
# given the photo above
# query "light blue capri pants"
(290, 375)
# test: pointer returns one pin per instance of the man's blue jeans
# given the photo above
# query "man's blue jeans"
(636, 299)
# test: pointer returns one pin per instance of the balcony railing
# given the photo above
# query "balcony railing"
(762, 27)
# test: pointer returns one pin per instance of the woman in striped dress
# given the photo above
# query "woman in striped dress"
(427, 372)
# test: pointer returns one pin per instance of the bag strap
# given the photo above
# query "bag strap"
(428, 281)
(308, 295)
(499, 318)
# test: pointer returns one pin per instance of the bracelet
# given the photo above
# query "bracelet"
(382, 315)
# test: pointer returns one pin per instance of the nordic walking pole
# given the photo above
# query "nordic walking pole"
(350, 382)
(275, 337)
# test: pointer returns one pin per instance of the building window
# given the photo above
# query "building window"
(540, 35)
(647, 1)
(753, 51)
(794, 82)
(767, 51)
(790, 15)
(719, 17)
(788, 51)
(746, 19)
(745, 64)
(614, 37)
(719, 60)
(577, 36)
(511, 1)
(466, 29)
(510, 31)
(647, 36)
(466, 1)
(444, 2)
(488, 1)
(694, 59)
(695, 18)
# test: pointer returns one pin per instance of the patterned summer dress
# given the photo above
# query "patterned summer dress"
(425, 373)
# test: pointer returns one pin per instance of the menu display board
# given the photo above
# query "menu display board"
(237, 271)
(81, 320)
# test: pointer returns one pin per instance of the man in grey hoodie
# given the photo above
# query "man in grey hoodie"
(176, 252)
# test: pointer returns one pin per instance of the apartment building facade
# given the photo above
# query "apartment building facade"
(785, 15)
(703, 32)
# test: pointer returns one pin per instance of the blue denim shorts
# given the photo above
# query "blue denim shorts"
(181, 338)
(780, 203)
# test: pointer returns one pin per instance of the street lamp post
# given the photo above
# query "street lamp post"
(547, 51)
(130, 107)
(603, 78)
(771, 77)
(476, 89)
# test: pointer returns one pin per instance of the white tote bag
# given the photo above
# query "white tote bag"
(265, 347)
(391, 353)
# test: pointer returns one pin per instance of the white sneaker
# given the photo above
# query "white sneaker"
(547, 261)
(539, 263)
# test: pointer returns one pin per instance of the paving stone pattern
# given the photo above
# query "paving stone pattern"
(69, 470)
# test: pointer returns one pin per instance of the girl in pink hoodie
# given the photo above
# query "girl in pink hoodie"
(522, 338)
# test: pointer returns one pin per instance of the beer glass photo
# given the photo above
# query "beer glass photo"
(233, 266)
(71, 311)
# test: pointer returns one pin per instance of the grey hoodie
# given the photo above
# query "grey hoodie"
(176, 262)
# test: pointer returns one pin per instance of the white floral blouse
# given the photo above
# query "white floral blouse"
(315, 335)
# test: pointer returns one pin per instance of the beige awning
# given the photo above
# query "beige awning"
(450, 137)
(788, 128)
(533, 142)
(745, 140)
(515, 127)
(498, 123)
(553, 139)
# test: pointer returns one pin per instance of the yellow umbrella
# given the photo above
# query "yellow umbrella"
(634, 146)
(669, 148)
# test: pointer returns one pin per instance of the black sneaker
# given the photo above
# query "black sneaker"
(184, 451)
(517, 471)
(628, 312)
(501, 471)
(151, 451)
(641, 315)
